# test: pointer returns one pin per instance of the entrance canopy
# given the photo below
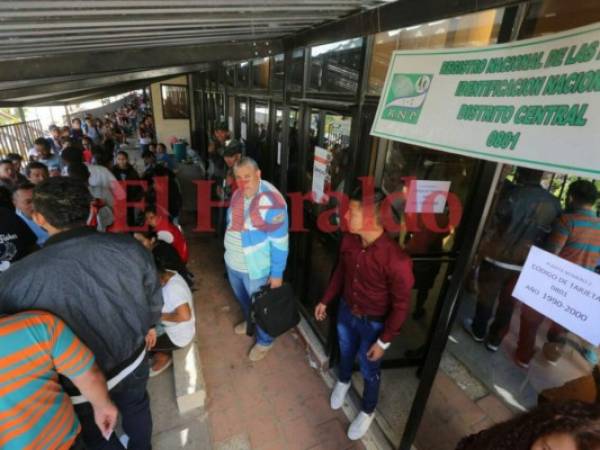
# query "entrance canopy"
(58, 51)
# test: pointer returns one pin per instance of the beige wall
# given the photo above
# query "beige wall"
(165, 128)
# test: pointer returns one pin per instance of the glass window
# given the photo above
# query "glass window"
(550, 16)
(243, 74)
(296, 71)
(278, 72)
(260, 73)
(404, 162)
(466, 31)
(336, 67)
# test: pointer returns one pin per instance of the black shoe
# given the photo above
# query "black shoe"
(468, 326)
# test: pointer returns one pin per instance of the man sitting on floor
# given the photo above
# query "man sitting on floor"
(178, 322)
(167, 231)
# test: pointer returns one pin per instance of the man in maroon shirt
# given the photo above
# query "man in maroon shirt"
(374, 278)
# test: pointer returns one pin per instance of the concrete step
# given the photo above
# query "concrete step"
(190, 388)
(172, 430)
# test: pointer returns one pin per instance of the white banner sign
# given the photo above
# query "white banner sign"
(533, 103)
(565, 292)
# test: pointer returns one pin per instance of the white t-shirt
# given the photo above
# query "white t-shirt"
(175, 293)
(101, 184)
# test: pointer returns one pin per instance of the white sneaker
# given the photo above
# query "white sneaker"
(360, 425)
(240, 328)
(339, 394)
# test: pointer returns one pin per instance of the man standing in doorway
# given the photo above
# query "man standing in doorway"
(256, 243)
(524, 215)
(231, 155)
(374, 278)
(106, 289)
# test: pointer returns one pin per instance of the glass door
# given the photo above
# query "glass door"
(326, 162)
(430, 234)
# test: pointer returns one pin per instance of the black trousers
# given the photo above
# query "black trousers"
(78, 444)
(132, 400)
(164, 344)
(494, 283)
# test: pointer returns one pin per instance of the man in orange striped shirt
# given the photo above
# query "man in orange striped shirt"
(576, 238)
(35, 412)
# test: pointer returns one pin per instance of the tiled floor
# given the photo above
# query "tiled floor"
(452, 415)
(280, 403)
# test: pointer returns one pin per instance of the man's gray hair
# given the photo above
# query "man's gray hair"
(244, 162)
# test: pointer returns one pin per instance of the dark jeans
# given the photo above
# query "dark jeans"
(132, 400)
(78, 444)
(494, 282)
(356, 336)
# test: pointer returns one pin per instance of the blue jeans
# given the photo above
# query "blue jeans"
(356, 336)
(243, 288)
(132, 400)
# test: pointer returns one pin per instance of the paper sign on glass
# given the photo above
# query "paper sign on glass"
(566, 293)
(322, 159)
(420, 191)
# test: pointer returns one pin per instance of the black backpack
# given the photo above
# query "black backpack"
(273, 310)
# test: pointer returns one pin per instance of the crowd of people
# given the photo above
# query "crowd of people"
(87, 313)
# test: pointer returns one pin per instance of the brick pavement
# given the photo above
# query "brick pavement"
(280, 403)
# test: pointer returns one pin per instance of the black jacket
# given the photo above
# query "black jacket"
(104, 286)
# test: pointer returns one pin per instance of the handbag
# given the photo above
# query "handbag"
(273, 310)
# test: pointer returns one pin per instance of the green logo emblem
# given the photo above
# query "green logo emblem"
(406, 96)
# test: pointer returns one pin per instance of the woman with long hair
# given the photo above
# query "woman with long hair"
(551, 426)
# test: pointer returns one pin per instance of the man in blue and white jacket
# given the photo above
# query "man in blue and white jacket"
(256, 243)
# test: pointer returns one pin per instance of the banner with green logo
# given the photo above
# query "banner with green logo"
(533, 103)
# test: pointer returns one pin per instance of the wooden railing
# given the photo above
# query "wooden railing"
(19, 137)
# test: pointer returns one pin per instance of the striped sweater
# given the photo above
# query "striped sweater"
(576, 238)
